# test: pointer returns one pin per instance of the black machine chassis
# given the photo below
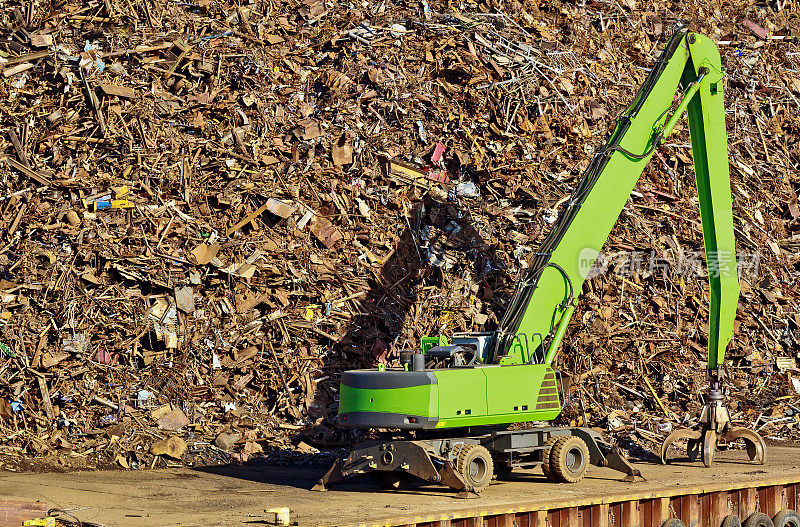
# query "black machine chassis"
(433, 459)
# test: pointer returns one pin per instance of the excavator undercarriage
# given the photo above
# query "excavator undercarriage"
(468, 464)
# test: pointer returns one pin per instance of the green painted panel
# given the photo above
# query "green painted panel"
(599, 211)
(588, 231)
(706, 115)
(487, 396)
(416, 400)
(514, 386)
(461, 391)
(501, 419)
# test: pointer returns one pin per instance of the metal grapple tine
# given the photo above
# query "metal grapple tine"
(756, 448)
(681, 433)
(708, 447)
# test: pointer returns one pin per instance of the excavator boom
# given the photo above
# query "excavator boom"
(544, 299)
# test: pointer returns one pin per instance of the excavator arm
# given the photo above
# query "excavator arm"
(543, 302)
(545, 298)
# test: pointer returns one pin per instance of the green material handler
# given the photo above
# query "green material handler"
(454, 400)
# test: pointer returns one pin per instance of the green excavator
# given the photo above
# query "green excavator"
(454, 400)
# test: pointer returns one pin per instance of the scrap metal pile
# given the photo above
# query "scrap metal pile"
(209, 210)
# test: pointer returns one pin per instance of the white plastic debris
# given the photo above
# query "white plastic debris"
(468, 190)
(398, 30)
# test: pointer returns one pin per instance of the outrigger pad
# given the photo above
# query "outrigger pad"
(603, 454)
(333, 475)
(453, 479)
(408, 457)
(615, 460)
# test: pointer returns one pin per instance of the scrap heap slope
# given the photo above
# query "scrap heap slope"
(210, 210)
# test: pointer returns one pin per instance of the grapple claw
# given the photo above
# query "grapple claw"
(756, 448)
(682, 433)
(708, 447)
(703, 443)
(715, 430)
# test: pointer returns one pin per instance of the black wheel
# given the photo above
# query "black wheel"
(475, 465)
(758, 519)
(673, 522)
(731, 520)
(546, 468)
(569, 459)
(392, 480)
(786, 518)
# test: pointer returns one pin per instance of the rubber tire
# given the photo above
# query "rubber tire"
(392, 480)
(558, 459)
(786, 518)
(673, 522)
(731, 520)
(470, 454)
(758, 519)
(548, 448)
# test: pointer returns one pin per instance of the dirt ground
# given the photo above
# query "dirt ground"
(239, 495)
